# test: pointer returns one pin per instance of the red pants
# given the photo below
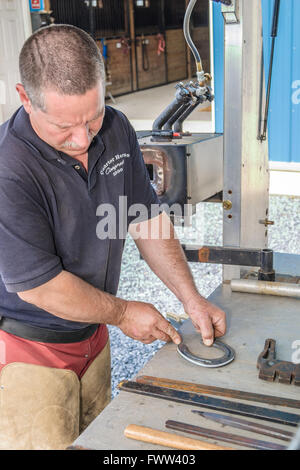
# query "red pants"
(74, 356)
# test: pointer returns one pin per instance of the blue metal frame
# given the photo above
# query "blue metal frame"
(284, 112)
(218, 39)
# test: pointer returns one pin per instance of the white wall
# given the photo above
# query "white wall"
(15, 27)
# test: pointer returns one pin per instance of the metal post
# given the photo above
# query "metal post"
(246, 173)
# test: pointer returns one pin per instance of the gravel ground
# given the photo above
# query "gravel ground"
(138, 282)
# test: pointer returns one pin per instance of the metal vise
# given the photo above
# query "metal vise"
(271, 368)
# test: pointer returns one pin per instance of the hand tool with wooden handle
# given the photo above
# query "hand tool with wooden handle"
(166, 439)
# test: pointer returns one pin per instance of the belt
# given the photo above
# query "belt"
(45, 335)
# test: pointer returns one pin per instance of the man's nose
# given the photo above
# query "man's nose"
(81, 136)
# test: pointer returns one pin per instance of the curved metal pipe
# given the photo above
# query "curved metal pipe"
(176, 116)
(179, 122)
(182, 96)
(166, 115)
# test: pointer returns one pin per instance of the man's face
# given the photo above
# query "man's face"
(68, 123)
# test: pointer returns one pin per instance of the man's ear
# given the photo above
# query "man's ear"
(24, 98)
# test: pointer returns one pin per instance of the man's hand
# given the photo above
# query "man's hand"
(167, 260)
(207, 318)
(141, 321)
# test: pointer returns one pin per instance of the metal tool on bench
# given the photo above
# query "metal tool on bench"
(250, 426)
(183, 350)
(218, 391)
(194, 399)
(223, 436)
(271, 368)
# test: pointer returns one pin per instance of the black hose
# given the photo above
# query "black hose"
(179, 112)
(182, 96)
(166, 115)
(263, 136)
(275, 19)
(179, 122)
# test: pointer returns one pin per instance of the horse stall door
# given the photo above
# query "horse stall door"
(176, 47)
(150, 51)
(117, 57)
(151, 64)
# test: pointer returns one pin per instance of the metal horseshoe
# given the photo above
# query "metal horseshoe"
(229, 355)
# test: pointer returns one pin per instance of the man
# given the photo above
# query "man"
(59, 280)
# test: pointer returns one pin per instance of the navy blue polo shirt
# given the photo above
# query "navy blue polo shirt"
(50, 208)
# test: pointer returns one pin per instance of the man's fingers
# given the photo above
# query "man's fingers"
(168, 333)
(220, 326)
(207, 318)
(161, 335)
(219, 332)
(207, 330)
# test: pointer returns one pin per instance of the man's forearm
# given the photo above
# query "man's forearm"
(166, 258)
(69, 297)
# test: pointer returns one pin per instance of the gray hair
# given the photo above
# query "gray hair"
(62, 58)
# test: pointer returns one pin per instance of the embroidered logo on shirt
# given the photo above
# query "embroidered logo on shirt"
(114, 165)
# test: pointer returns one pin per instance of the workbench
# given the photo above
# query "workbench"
(251, 318)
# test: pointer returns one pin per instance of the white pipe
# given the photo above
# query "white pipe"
(265, 287)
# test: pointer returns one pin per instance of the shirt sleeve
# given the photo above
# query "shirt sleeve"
(143, 193)
(28, 257)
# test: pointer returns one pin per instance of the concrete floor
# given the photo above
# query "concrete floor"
(143, 107)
